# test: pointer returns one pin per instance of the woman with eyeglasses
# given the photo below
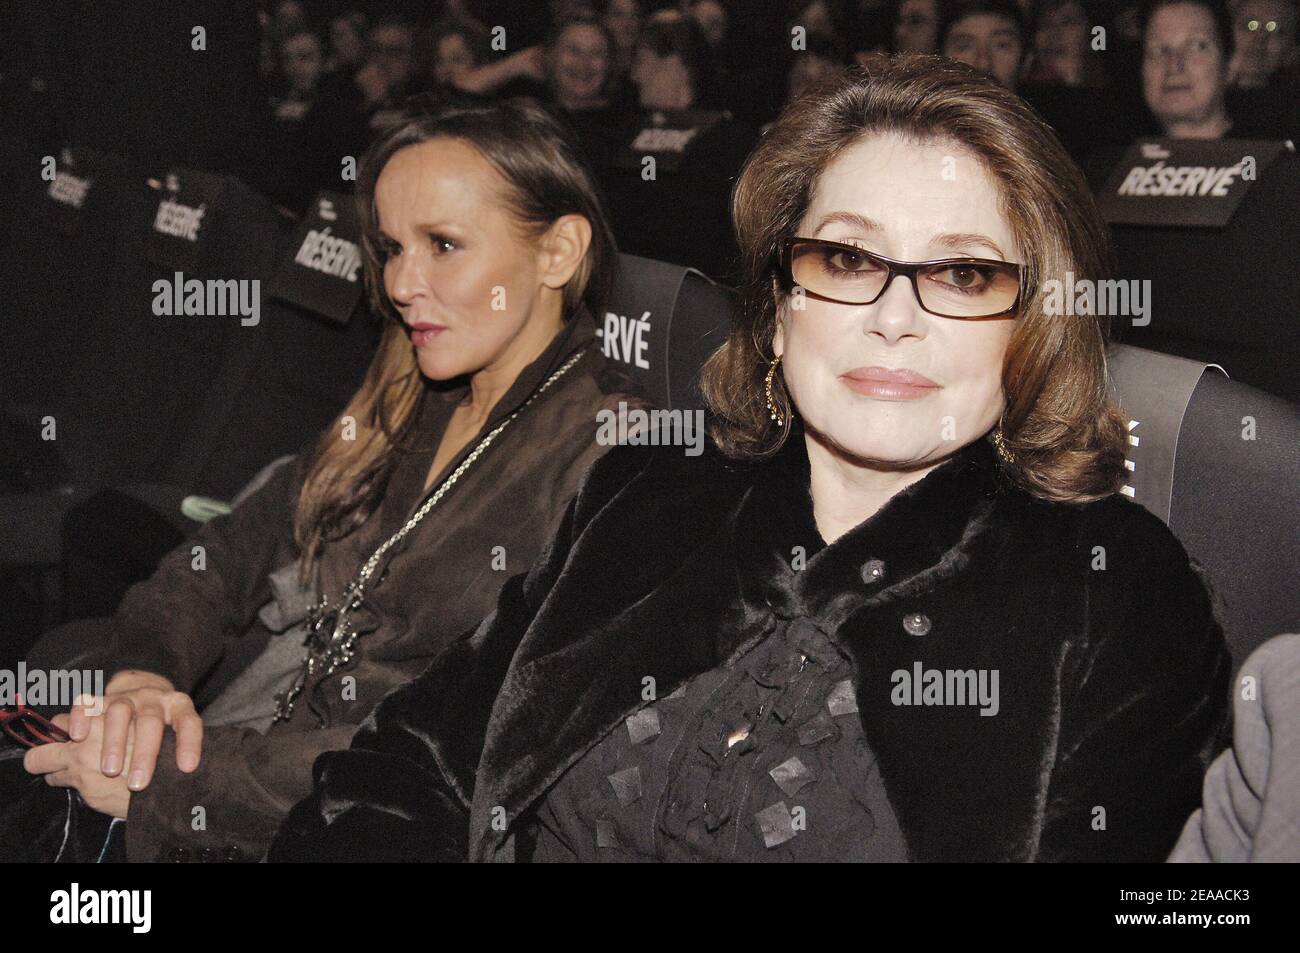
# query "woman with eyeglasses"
(898, 610)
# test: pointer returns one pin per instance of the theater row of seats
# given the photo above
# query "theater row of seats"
(150, 409)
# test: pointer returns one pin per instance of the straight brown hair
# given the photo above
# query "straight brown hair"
(1066, 436)
(545, 178)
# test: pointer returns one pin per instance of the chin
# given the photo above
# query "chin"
(436, 368)
(882, 448)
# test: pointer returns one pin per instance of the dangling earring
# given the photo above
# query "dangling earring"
(1000, 445)
(771, 403)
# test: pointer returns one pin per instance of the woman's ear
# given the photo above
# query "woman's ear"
(778, 339)
(563, 249)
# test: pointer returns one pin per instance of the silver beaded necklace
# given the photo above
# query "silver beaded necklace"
(331, 638)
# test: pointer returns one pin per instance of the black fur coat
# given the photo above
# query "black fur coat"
(1112, 671)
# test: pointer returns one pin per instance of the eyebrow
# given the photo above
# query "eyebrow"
(954, 241)
(424, 227)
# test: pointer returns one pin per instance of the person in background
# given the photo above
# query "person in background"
(812, 66)
(452, 47)
(584, 89)
(1062, 54)
(389, 75)
(672, 64)
(1266, 51)
(712, 19)
(302, 63)
(289, 17)
(916, 27)
(297, 91)
(1186, 48)
(986, 34)
(347, 42)
(623, 20)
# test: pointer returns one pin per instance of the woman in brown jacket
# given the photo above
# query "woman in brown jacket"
(487, 252)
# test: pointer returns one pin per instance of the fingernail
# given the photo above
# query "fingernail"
(111, 765)
(136, 781)
(189, 762)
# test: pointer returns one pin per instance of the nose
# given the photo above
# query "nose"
(896, 314)
(405, 281)
(982, 60)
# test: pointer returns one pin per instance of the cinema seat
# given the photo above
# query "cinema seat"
(1226, 296)
(1219, 461)
(661, 324)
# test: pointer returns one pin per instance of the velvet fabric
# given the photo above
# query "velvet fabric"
(1112, 670)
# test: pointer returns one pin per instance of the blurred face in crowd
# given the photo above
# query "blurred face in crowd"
(890, 195)
(1063, 30)
(455, 258)
(663, 82)
(348, 45)
(302, 60)
(580, 65)
(390, 51)
(807, 70)
(1265, 32)
(1184, 73)
(712, 21)
(623, 20)
(289, 16)
(917, 29)
(451, 57)
(988, 42)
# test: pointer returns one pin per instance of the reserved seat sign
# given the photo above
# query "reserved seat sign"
(666, 135)
(323, 270)
(71, 179)
(183, 215)
(1190, 183)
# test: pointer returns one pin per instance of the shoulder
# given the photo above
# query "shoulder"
(1135, 544)
(652, 487)
(1147, 604)
(1114, 531)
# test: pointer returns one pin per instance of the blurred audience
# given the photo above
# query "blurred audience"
(1265, 35)
(988, 35)
(916, 27)
(1098, 71)
(1061, 42)
(347, 41)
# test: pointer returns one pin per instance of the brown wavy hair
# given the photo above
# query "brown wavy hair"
(1066, 436)
(545, 178)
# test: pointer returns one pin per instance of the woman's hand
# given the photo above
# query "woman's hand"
(76, 764)
(141, 704)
